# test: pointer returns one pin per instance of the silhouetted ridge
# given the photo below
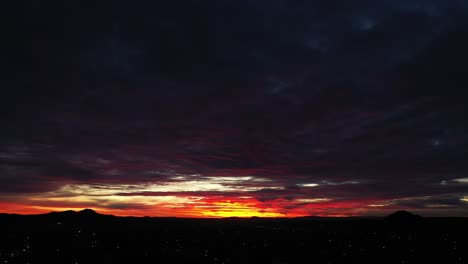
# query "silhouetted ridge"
(89, 212)
(64, 213)
(70, 215)
(403, 216)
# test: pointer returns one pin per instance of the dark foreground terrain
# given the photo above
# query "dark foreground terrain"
(87, 237)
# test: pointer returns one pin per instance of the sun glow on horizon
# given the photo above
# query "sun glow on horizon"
(238, 209)
(185, 196)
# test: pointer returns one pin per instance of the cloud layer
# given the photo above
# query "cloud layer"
(267, 108)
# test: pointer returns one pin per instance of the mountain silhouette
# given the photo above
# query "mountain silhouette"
(71, 213)
(88, 212)
(403, 216)
(70, 216)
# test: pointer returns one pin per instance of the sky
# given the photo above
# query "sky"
(267, 108)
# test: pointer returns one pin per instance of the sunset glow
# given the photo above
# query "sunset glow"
(182, 197)
(206, 196)
(238, 209)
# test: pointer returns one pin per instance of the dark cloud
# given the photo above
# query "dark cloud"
(432, 202)
(295, 92)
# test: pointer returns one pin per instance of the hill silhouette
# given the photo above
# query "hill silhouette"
(403, 216)
(88, 212)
